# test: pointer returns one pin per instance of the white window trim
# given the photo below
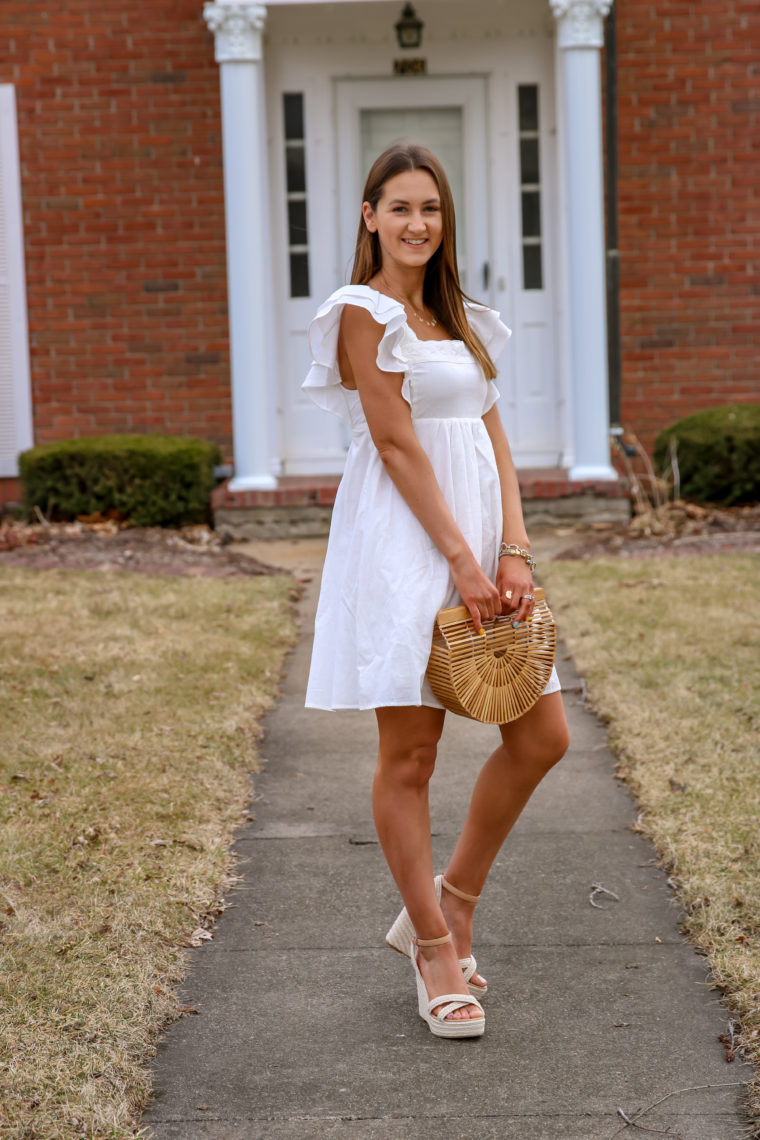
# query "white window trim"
(13, 283)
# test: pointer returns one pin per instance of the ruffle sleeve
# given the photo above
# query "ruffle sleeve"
(323, 383)
(492, 331)
(492, 395)
(494, 335)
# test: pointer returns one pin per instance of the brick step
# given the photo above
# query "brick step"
(302, 505)
(303, 490)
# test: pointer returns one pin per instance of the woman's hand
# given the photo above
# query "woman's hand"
(475, 588)
(513, 581)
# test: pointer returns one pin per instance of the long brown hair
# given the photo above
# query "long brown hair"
(441, 290)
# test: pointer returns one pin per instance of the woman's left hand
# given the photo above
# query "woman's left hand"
(514, 582)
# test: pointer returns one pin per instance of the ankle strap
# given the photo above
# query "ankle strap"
(456, 891)
(433, 941)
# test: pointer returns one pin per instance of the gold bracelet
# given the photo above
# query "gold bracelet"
(512, 548)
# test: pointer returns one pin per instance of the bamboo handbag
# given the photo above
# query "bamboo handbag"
(495, 678)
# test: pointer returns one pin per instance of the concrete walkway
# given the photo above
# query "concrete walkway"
(308, 1024)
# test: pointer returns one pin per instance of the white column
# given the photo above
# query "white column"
(580, 38)
(237, 27)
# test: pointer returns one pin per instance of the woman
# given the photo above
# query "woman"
(428, 498)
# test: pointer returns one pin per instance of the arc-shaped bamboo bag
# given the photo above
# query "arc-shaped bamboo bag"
(495, 678)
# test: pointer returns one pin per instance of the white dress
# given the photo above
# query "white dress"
(384, 579)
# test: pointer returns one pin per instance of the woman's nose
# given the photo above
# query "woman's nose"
(416, 223)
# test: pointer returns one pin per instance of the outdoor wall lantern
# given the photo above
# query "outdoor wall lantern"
(409, 28)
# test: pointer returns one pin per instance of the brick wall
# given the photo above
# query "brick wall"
(121, 171)
(689, 139)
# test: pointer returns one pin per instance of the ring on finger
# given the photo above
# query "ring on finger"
(508, 595)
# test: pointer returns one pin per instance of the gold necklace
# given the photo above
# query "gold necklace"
(430, 324)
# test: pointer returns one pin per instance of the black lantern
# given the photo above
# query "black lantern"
(409, 28)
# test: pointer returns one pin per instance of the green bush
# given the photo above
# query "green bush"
(150, 480)
(718, 454)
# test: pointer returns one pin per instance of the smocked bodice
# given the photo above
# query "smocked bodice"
(441, 378)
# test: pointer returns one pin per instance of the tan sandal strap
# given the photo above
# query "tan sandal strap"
(456, 891)
(433, 941)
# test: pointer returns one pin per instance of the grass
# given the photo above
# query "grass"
(130, 709)
(669, 651)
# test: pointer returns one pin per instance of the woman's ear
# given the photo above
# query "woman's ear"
(369, 217)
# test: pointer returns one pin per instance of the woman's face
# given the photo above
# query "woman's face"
(408, 219)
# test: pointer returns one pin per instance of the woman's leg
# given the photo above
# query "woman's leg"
(530, 746)
(406, 759)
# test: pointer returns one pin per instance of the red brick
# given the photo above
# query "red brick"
(701, 226)
(93, 118)
(11, 492)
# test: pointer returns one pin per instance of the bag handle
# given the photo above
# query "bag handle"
(456, 614)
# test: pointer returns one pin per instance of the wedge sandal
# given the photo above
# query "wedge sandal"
(401, 936)
(438, 1023)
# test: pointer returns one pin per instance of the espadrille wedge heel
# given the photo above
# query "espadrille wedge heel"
(401, 936)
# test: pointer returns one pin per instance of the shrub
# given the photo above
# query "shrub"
(151, 480)
(718, 454)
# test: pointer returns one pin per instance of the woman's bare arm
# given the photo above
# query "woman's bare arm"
(390, 424)
(513, 573)
(513, 525)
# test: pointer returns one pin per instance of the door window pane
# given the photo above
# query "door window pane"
(295, 188)
(527, 95)
(296, 169)
(298, 234)
(529, 161)
(530, 176)
(531, 214)
(293, 111)
(532, 271)
(299, 275)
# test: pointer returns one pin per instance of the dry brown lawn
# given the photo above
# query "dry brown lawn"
(670, 650)
(130, 707)
(130, 711)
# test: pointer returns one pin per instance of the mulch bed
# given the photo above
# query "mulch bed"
(95, 543)
(192, 551)
(678, 528)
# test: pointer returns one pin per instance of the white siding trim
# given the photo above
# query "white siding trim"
(15, 382)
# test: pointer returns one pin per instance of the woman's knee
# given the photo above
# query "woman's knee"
(553, 745)
(409, 743)
(537, 757)
(410, 763)
(541, 738)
